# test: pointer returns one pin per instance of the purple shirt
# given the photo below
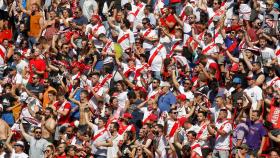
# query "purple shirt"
(240, 132)
(256, 132)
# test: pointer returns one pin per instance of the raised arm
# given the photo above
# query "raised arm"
(26, 136)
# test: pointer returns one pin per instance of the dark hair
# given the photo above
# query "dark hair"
(129, 135)
(131, 95)
(127, 6)
(50, 109)
(192, 133)
(116, 125)
(126, 23)
(149, 8)
(202, 112)
(147, 20)
(102, 35)
(69, 147)
(85, 92)
(160, 126)
(103, 119)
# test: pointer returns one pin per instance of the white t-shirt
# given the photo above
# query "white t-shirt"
(17, 79)
(267, 55)
(255, 93)
(161, 147)
(18, 155)
(2, 155)
(122, 98)
(88, 7)
(113, 151)
(21, 66)
(189, 94)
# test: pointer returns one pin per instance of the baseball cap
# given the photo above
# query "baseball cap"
(127, 116)
(19, 143)
(181, 97)
(237, 80)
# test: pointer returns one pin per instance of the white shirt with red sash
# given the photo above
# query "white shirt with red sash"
(125, 38)
(277, 53)
(177, 47)
(109, 48)
(157, 55)
(147, 113)
(209, 49)
(148, 33)
(223, 142)
(97, 29)
(100, 135)
(3, 52)
(195, 147)
(99, 91)
(172, 126)
(275, 83)
(202, 135)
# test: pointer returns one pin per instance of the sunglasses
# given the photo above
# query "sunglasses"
(174, 112)
(38, 132)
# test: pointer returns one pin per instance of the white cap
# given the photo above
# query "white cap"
(19, 143)
(165, 84)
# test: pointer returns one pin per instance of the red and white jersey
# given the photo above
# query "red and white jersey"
(209, 49)
(275, 82)
(3, 53)
(96, 29)
(211, 64)
(157, 55)
(195, 147)
(177, 47)
(158, 6)
(202, 135)
(125, 38)
(148, 33)
(109, 48)
(277, 53)
(138, 10)
(223, 142)
(100, 135)
(172, 126)
(147, 113)
(99, 90)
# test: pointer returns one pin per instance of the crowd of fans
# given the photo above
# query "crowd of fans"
(139, 78)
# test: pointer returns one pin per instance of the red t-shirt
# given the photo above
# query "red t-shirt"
(40, 65)
(6, 34)
(66, 105)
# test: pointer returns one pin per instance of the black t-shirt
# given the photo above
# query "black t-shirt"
(7, 101)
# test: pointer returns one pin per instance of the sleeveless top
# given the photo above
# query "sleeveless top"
(35, 25)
